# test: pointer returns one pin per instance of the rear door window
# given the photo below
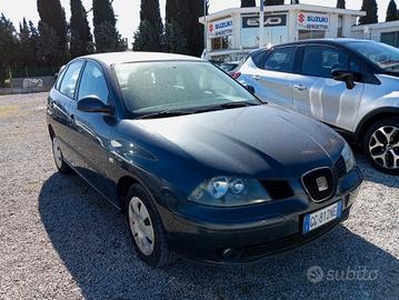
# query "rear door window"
(281, 60)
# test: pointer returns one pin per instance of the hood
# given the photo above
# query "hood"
(262, 141)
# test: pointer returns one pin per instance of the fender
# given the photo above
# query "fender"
(380, 113)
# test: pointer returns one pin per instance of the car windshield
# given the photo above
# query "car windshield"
(384, 56)
(151, 87)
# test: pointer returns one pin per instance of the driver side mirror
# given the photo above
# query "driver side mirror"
(349, 77)
(93, 104)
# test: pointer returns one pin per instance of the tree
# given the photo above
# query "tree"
(175, 42)
(53, 24)
(171, 11)
(248, 3)
(49, 47)
(195, 38)
(8, 47)
(341, 4)
(146, 38)
(370, 7)
(81, 38)
(392, 12)
(106, 35)
(28, 38)
(151, 25)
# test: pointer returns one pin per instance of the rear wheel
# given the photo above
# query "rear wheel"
(146, 227)
(381, 145)
(62, 166)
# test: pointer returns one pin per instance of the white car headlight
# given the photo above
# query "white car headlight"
(229, 191)
(348, 156)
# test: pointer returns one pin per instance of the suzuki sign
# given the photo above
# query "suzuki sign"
(220, 28)
(311, 21)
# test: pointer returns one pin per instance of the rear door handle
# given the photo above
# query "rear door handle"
(300, 87)
(256, 77)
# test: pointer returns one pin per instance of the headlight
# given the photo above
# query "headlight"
(349, 158)
(229, 191)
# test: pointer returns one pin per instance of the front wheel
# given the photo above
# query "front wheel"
(381, 145)
(146, 227)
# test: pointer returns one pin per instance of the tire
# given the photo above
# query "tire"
(381, 145)
(146, 228)
(60, 163)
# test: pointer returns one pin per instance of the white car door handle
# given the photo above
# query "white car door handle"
(300, 87)
(256, 77)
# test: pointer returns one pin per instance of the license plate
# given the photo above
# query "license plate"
(322, 216)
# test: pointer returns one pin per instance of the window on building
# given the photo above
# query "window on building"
(222, 43)
(390, 38)
(311, 34)
(281, 60)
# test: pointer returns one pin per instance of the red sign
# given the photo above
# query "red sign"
(301, 18)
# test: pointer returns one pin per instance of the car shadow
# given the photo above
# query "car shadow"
(92, 240)
(371, 174)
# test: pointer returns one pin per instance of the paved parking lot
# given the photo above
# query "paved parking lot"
(60, 240)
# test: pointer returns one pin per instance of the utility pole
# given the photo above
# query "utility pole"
(261, 23)
(205, 28)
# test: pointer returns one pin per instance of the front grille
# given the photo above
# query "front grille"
(278, 189)
(340, 167)
(319, 184)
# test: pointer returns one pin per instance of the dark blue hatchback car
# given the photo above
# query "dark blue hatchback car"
(197, 163)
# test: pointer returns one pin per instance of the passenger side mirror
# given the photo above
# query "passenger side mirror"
(250, 88)
(92, 104)
(349, 77)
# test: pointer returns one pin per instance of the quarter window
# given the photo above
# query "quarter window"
(281, 60)
(93, 83)
(70, 79)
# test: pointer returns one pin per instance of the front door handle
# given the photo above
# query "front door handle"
(256, 77)
(300, 87)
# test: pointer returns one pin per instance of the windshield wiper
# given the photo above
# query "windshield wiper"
(164, 113)
(174, 113)
(227, 105)
(235, 104)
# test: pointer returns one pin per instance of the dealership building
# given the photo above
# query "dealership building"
(234, 32)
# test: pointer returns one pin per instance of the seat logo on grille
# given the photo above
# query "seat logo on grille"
(322, 183)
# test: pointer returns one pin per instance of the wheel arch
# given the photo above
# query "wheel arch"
(123, 185)
(51, 131)
(372, 117)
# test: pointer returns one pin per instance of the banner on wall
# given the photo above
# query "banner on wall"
(313, 21)
(220, 28)
(269, 21)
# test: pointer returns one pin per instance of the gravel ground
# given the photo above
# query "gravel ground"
(60, 240)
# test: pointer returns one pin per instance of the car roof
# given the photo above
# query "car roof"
(112, 58)
(330, 41)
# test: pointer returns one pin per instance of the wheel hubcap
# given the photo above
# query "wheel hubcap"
(57, 152)
(141, 226)
(384, 147)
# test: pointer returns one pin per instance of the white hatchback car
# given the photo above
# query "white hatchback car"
(351, 85)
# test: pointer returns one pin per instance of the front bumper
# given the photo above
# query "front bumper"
(237, 241)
